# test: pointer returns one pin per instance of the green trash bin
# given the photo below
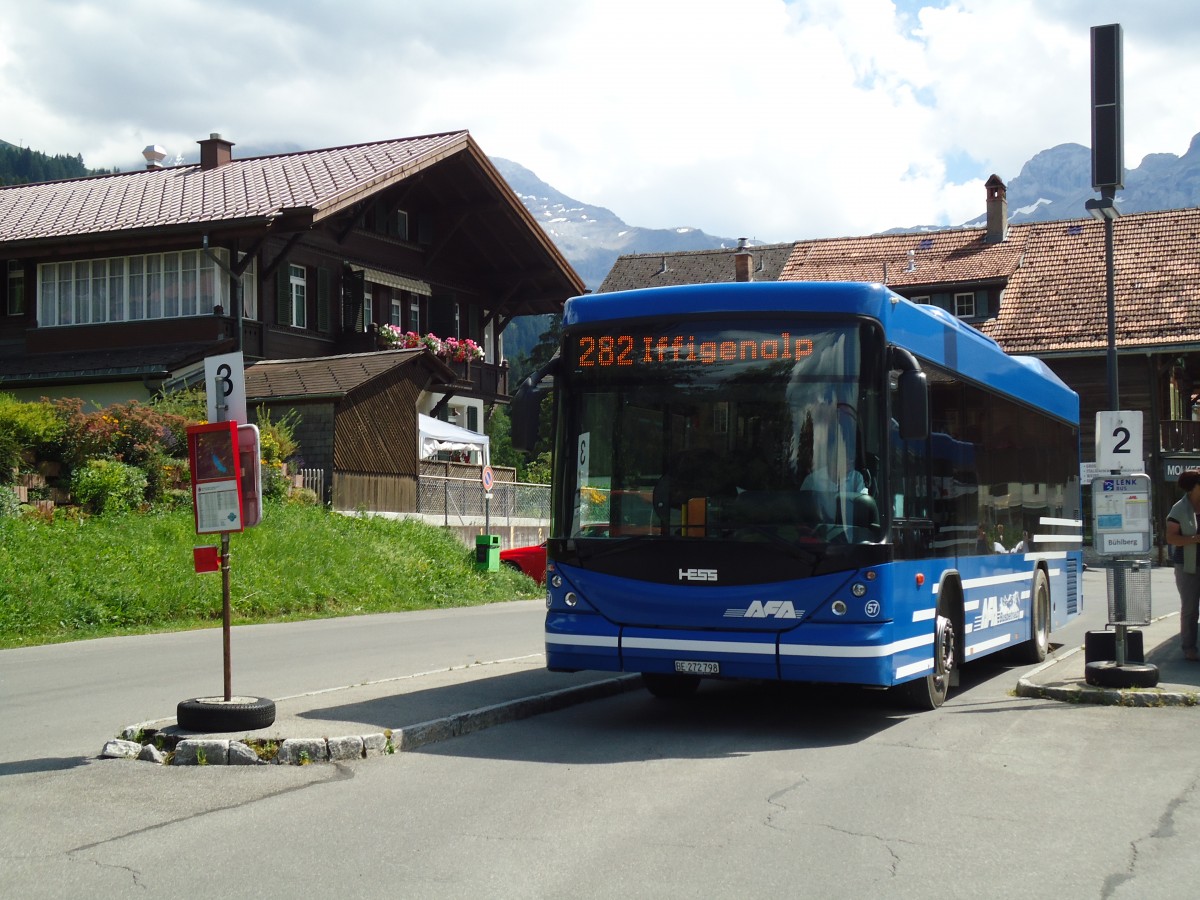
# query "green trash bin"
(487, 552)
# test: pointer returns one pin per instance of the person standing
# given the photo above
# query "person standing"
(1183, 536)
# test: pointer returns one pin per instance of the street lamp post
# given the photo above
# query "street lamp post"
(1105, 209)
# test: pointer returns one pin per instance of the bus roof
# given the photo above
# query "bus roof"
(929, 332)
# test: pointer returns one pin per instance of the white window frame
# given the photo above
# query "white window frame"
(298, 285)
(16, 288)
(130, 288)
(923, 299)
(249, 288)
(964, 305)
(396, 312)
(414, 313)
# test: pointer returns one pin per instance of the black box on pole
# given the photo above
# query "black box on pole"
(1101, 646)
(1108, 152)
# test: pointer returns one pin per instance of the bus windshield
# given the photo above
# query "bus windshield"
(769, 430)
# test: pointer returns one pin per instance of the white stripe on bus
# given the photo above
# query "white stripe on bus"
(971, 650)
(643, 643)
(914, 668)
(582, 640)
(923, 640)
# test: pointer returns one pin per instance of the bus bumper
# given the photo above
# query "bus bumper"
(869, 654)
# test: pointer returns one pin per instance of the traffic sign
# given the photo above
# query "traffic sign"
(488, 478)
(225, 381)
(1119, 441)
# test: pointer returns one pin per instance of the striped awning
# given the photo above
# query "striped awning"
(387, 279)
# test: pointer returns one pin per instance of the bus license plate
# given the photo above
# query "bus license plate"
(691, 667)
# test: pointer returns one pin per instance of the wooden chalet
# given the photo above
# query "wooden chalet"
(118, 286)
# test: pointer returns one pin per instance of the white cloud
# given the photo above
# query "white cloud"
(760, 118)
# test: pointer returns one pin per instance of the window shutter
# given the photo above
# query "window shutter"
(324, 291)
(283, 296)
(352, 299)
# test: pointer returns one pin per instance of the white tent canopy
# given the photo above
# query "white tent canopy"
(438, 435)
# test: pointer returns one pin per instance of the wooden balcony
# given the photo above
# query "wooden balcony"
(1180, 436)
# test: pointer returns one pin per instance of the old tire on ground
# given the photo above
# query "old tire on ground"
(214, 714)
(1106, 673)
(929, 692)
(1034, 649)
(670, 687)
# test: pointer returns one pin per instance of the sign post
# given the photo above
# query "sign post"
(1121, 530)
(488, 478)
(227, 497)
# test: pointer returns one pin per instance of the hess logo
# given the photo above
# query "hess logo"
(697, 574)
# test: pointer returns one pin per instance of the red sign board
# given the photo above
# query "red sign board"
(216, 477)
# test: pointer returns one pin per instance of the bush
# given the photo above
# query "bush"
(190, 404)
(108, 485)
(10, 455)
(35, 427)
(10, 506)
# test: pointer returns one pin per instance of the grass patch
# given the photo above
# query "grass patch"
(131, 573)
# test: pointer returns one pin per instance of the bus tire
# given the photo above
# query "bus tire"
(1034, 649)
(930, 692)
(670, 687)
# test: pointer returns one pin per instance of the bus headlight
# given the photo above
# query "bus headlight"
(571, 598)
(556, 581)
(858, 589)
(839, 607)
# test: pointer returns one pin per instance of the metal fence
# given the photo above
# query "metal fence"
(459, 500)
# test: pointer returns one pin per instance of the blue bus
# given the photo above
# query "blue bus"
(817, 482)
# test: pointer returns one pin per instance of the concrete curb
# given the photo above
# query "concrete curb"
(1082, 692)
(306, 751)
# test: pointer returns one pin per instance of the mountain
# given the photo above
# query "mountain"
(592, 237)
(1057, 182)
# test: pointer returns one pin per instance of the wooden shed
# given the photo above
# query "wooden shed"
(356, 420)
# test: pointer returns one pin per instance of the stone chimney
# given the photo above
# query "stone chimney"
(216, 151)
(743, 262)
(997, 210)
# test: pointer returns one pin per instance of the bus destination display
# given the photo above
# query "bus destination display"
(658, 347)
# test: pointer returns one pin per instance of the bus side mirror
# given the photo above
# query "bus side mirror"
(523, 412)
(525, 408)
(913, 414)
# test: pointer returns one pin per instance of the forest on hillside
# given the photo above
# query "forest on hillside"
(21, 165)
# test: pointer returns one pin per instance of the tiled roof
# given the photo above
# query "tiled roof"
(906, 260)
(317, 181)
(1056, 300)
(330, 376)
(1052, 274)
(120, 364)
(639, 270)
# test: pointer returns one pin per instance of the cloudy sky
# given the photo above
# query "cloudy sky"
(766, 118)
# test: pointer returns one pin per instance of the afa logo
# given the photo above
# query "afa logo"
(1000, 610)
(772, 609)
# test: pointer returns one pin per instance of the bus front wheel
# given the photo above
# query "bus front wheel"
(670, 687)
(930, 692)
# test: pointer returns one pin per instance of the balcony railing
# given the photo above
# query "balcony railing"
(1180, 436)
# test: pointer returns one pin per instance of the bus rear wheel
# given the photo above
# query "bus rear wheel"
(1034, 650)
(670, 687)
(930, 692)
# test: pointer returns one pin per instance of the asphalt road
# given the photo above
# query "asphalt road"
(741, 790)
